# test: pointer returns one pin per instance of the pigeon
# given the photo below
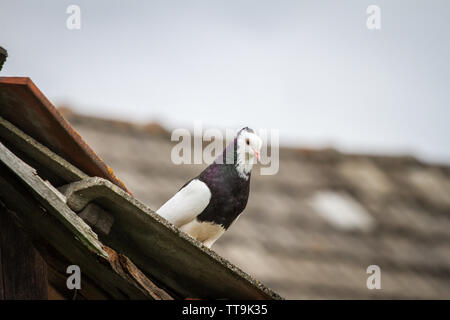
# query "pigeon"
(207, 205)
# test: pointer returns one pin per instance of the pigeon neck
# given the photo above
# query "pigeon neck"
(236, 156)
(243, 164)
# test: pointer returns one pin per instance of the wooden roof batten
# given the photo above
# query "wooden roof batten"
(124, 248)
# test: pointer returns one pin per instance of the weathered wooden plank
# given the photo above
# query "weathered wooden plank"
(60, 235)
(23, 271)
(49, 164)
(170, 256)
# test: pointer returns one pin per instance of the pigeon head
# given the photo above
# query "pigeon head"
(249, 144)
(248, 147)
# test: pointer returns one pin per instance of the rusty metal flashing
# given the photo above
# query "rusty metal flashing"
(24, 105)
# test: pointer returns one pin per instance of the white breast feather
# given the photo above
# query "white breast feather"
(204, 231)
(186, 204)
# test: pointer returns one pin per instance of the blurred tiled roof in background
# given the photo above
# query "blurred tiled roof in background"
(312, 230)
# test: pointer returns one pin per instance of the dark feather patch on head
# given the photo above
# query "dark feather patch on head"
(246, 129)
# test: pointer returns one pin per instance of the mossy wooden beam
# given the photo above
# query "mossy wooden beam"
(171, 257)
(55, 168)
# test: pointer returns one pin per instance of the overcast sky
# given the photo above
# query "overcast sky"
(311, 69)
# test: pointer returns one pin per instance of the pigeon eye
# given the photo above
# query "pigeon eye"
(247, 141)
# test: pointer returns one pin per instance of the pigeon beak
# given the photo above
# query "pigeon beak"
(257, 154)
